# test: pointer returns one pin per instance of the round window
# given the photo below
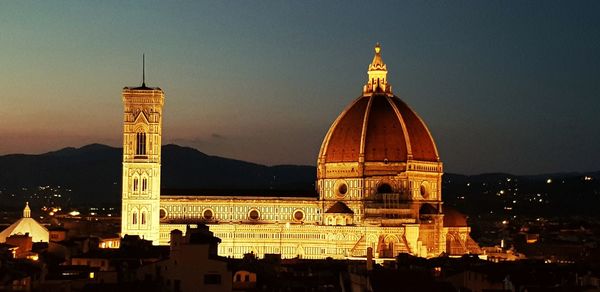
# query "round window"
(254, 215)
(207, 214)
(424, 193)
(162, 213)
(298, 215)
(342, 189)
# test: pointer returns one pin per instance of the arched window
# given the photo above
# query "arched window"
(143, 217)
(134, 218)
(140, 145)
(135, 184)
(144, 184)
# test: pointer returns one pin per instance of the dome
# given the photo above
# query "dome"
(26, 225)
(378, 127)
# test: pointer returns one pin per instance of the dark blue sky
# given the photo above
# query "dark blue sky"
(509, 86)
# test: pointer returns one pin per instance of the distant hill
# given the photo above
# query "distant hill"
(92, 175)
(557, 194)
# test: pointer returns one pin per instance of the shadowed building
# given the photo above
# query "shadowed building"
(378, 179)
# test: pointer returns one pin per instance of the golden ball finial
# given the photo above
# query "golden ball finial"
(377, 48)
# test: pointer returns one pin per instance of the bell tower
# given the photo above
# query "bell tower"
(142, 129)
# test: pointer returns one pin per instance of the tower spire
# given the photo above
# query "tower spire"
(143, 70)
(377, 74)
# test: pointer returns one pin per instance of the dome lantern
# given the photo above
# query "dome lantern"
(26, 211)
(377, 74)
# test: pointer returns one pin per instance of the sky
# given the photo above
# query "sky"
(504, 86)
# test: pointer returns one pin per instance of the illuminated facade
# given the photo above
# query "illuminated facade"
(142, 128)
(378, 179)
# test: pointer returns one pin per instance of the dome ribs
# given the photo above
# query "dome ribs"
(384, 136)
(421, 141)
(379, 128)
(345, 140)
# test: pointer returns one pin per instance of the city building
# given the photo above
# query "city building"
(26, 225)
(378, 179)
(192, 265)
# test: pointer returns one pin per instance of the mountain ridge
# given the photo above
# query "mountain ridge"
(91, 174)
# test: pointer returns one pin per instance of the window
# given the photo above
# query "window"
(254, 215)
(144, 218)
(423, 191)
(207, 214)
(162, 213)
(135, 184)
(298, 215)
(212, 279)
(343, 189)
(238, 278)
(140, 146)
(134, 218)
(144, 184)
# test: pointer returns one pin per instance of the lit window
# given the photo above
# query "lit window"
(144, 184)
(134, 218)
(143, 218)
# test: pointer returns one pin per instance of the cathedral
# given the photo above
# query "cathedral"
(378, 181)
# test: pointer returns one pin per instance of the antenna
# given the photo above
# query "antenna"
(143, 70)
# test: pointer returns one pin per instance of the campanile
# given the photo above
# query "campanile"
(142, 129)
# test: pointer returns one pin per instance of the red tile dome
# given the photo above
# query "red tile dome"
(380, 128)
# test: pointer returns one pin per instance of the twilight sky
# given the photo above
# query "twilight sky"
(511, 86)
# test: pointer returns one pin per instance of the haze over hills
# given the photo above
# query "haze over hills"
(92, 175)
